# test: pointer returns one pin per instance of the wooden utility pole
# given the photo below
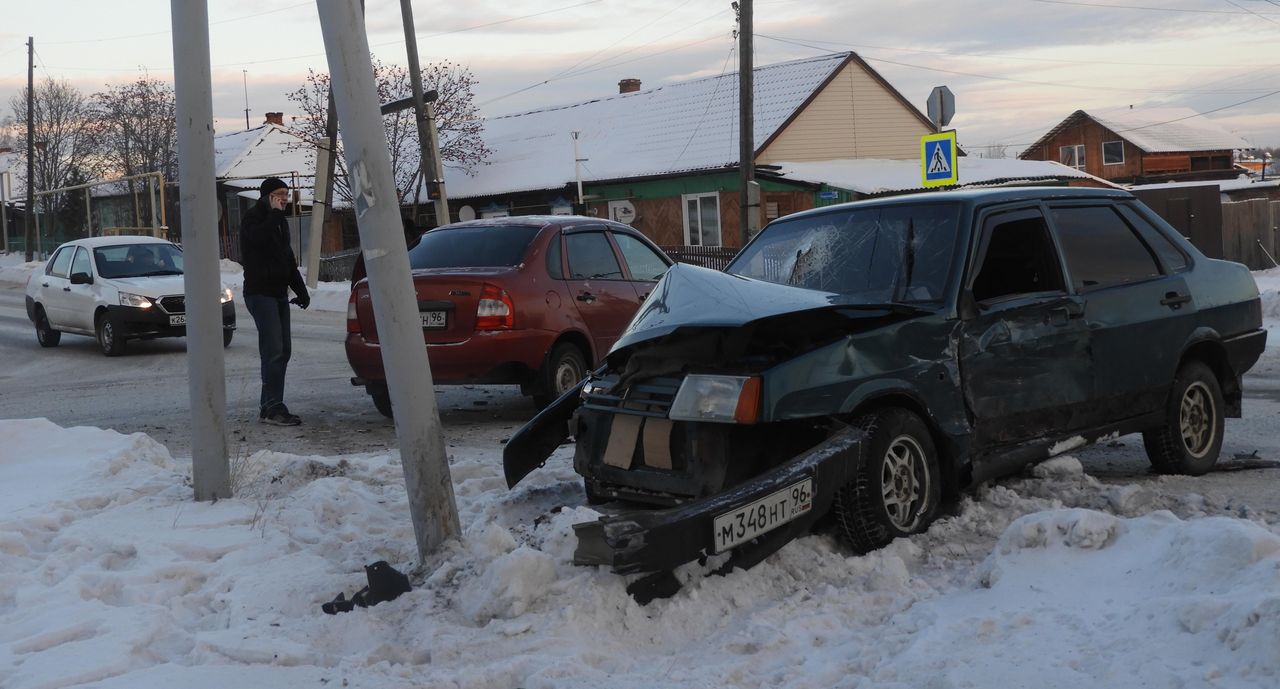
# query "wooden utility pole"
(424, 115)
(432, 506)
(29, 235)
(197, 190)
(749, 203)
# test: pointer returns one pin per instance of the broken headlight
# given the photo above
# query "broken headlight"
(719, 399)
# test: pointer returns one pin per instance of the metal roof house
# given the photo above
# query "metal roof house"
(666, 159)
(1141, 146)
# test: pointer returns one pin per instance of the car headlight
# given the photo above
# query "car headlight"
(136, 300)
(226, 295)
(719, 399)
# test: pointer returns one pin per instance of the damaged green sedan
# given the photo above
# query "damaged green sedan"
(866, 360)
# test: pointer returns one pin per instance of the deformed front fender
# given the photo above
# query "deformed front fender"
(529, 448)
(645, 540)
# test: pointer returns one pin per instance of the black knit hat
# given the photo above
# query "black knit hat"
(270, 184)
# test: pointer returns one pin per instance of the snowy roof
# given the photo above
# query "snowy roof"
(871, 177)
(268, 150)
(1159, 130)
(676, 128)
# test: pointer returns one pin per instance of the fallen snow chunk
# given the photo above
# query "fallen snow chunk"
(1058, 467)
(509, 585)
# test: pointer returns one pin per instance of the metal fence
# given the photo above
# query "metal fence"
(337, 267)
(714, 257)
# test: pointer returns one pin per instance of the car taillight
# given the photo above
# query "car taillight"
(495, 310)
(353, 320)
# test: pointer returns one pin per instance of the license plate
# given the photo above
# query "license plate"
(178, 319)
(762, 516)
(434, 320)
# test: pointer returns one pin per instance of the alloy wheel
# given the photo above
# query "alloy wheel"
(1197, 419)
(904, 481)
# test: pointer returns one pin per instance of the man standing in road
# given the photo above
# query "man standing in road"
(270, 270)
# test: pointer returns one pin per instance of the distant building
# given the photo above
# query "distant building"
(665, 160)
(1141, 146)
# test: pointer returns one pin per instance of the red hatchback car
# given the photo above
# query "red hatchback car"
(528, 300)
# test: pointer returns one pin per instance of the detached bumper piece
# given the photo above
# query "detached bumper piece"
(639, 541)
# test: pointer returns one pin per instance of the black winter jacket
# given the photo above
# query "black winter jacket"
(270, 267)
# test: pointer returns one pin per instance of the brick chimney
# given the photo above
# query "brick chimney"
(628, 86)
(275, 118)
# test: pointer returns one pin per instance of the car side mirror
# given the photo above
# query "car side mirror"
(81, 279)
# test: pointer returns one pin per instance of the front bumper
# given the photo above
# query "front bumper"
(154, 322)
(643, 540)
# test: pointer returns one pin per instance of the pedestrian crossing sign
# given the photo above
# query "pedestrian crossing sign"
(938, 159)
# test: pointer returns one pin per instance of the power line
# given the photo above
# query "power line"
(723, 68)
(1015, 57)
(1133, 7)
(255, 15)
(1233, 4)
(610, 46)
(1092, 87)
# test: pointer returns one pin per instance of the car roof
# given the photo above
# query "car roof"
(95, 242)
(530, 221)
(974, 197)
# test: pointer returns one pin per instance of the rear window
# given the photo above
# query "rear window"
(472, 247)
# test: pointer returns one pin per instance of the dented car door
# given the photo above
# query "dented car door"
(1024, 349)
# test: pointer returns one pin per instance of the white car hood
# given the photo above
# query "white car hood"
(154, 286)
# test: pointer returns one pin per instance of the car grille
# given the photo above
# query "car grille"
(174, 304)
(651, 397)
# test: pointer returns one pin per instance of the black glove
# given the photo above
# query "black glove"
(302, 300)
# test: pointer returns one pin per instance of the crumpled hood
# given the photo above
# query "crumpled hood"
(691, 296)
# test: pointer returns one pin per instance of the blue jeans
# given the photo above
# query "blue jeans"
(271, 316)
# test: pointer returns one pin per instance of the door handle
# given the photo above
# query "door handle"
(44, 284)
(587, 297)
(66, 289)
(1174, 300)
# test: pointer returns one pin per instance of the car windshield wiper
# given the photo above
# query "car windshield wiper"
(894, 306)
(163, 271)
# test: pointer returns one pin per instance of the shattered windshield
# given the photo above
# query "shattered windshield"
(884, 253)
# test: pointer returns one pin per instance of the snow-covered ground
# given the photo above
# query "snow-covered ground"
(111, 576)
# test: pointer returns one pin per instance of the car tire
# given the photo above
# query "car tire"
(1190, 439)
(110, 340)
(565, 367)
(382, 400)
(226, 337)
(45, 334)
(896, 490)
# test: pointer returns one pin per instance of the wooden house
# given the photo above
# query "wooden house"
(1141, 146)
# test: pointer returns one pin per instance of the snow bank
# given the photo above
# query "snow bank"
(111, 575)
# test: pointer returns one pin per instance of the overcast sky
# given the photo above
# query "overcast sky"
(1016, 67)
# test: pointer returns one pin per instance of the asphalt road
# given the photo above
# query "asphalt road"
(145, 390)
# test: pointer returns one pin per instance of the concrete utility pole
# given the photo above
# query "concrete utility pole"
(197, 189)
(31, 149)
(319, 210)
(424, 114)
(749, 190)
(422, 451)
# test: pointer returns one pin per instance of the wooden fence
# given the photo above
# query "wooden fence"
(714, 257)
(1249, 233)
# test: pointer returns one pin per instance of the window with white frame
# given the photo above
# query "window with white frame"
(702, 219)
(1072, 156)
(1113, 153)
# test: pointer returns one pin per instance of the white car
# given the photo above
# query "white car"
(115, 289)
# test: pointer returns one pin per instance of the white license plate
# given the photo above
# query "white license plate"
(762, 516)
(178, 319)
(434, 319)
